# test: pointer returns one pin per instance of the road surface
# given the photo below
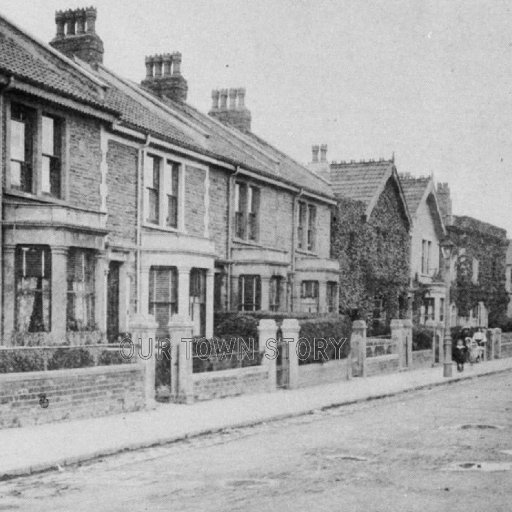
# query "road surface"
(416, 452)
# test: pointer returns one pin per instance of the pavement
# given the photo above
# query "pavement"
(44, 447)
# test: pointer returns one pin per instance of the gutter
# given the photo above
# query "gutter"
(229, 242)
(294, 241)
(140, 168)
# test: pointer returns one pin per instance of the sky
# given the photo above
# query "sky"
(430, 81)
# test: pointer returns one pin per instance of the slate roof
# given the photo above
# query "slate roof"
(24, 58)
(38, 64)
(360, 181)
(414, 190)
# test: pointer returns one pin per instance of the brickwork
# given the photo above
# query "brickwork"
(210, 385)
(84, 175)
(218, 211)
(72, 394)
(194, 200)
(275, 223)
(122, 192)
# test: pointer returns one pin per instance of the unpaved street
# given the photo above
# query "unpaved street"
(386, 455)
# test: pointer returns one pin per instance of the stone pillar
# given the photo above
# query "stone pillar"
(440, 333)
(100, 292)
(180, 331)
(398, 340)
(184, 292)
(407, 340)
(497, 352)
(9, 293)
(267, 330)
(209, 302)
(265, 293)
(290, 329)
(358, 346)
(143, 330)
(59, 289)
(143, 295)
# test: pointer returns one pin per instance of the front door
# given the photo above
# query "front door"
(113, 300)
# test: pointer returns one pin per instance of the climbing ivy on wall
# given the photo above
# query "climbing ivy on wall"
(373, 255)
(475, 240)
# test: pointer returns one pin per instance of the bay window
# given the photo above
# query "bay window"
(80, 300)
(51, 161)
(22, 129)
(163, 294)
(33, 288)
(332, 293)
(309, 296)
(275, 293)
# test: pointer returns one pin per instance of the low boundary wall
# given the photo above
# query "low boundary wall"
(223, 383)
(382, 364)
(70, 394)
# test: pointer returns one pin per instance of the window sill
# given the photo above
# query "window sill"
(46, 198)
(166, 229)
(306, 253)
(247, 242)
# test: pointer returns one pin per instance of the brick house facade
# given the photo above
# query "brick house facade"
(121, 199)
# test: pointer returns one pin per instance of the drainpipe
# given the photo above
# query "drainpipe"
(140, 169)
(294, 241)
(5, 83)
(229, 243)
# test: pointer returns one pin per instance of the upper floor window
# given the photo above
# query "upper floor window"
(152, 184)
(247, 205)
(306, 227)
(162, 186)
(23, 125)
(249, 287)
(33, 286)
(426, 256)
(81, 292)
(51, 156)
(26, 143)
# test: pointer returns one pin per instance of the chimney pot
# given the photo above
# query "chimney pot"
(223, 99)
(149, 67)
(232, 98)
(215, 99)
(158, 61)
(167, 60)
(176, 63)
(241, 98)
(323, 153)
(90, 17)
(314, 151)
(59, 21)
(70, 22)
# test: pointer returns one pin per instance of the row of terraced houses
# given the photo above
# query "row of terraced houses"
(121, 199)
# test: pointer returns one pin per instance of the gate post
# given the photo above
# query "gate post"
(440, 332)
(358, 345)
(267, 330)
(143, 330)
(407, 337)
(290, 329)
(432, 326)
(180, 328)
(497, 330)
(397, 336)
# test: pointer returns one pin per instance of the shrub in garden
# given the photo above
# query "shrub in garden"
(76, 357)
(421, 338)
(14, 361)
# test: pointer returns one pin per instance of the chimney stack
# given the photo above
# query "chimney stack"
(164, 78)
(76, 35)
(323, 153)
(236, 114)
